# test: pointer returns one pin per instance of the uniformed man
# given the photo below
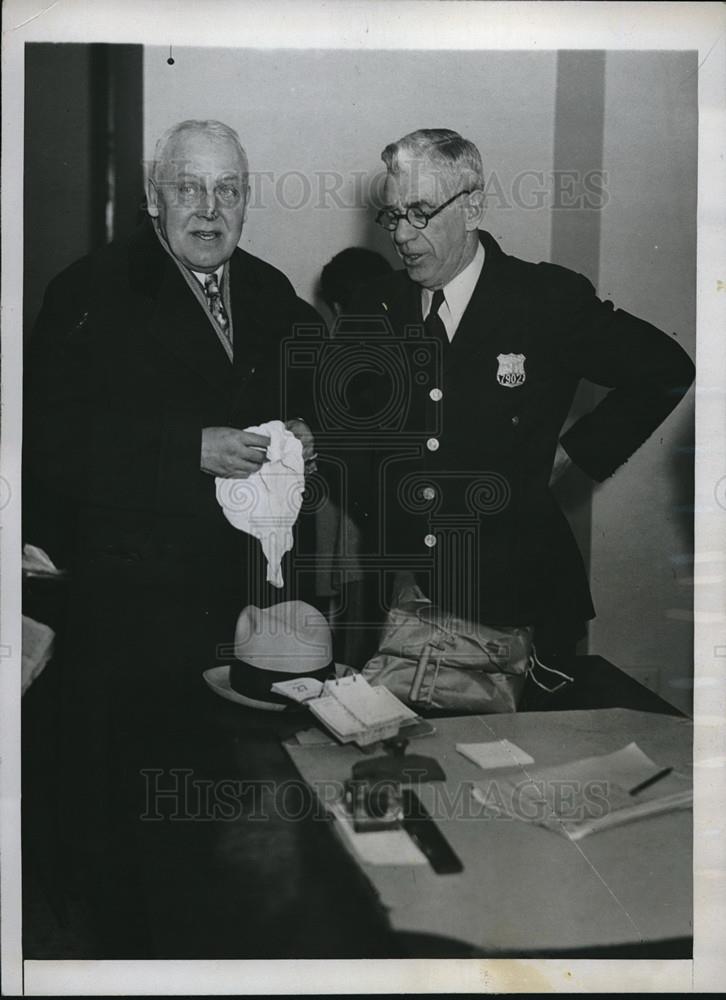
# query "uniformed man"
(461, 494)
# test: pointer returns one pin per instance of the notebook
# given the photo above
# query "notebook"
(350, 708)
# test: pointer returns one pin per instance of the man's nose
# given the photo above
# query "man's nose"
(208, 203)
(404, 231)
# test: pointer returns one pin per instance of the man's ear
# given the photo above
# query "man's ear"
(474, 209)
(152, 200)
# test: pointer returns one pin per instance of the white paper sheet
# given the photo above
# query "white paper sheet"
(499, 753)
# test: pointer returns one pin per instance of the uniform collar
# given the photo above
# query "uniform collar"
(459, 290)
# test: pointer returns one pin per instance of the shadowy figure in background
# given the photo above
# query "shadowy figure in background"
(337, 536)
(345, 273)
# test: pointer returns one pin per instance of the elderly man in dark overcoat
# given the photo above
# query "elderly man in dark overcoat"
(148, 361)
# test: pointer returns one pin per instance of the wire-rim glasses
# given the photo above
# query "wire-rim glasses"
(415, 216)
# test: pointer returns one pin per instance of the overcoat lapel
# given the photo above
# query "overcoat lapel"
(257, 359)
(251, 334)
(177, 318)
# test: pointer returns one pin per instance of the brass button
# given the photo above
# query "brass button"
(428, 493)
(432, 444)
(436, 395)
(515, 421)
(430, 541)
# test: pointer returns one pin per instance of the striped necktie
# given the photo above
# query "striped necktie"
(216, 305)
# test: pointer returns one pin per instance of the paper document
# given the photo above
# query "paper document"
(37, 562)
(499, 753)
(583, 796)
(301, 689)
(37, 649)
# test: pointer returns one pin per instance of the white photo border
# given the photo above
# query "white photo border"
(371, 24)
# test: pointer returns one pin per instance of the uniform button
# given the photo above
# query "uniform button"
(432, 444)
(515, 421)
(428, 493)
(430, 541)
(436, 395)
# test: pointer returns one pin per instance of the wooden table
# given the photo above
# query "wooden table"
(254, 884)
(525, 889)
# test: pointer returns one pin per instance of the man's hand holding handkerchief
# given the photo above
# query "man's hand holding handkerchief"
(267, 503)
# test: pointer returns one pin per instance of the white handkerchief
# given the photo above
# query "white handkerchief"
(500, 753)
(267, 503)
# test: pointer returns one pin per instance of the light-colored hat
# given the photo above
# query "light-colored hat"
(274, 644)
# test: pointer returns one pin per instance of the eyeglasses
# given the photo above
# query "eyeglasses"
(416, 217)
(191, 192)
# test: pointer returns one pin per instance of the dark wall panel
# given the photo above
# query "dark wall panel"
(57, 175)
(83, 155)
(578, 153)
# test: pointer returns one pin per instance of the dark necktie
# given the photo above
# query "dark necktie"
(433, 324)
(216, 305)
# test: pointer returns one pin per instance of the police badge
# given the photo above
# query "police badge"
(511, 370)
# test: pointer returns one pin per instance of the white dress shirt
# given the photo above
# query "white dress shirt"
(201, 278)
(457, 294)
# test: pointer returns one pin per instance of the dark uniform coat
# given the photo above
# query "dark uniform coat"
(463, 456)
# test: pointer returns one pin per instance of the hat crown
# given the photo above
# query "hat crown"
(292, 638)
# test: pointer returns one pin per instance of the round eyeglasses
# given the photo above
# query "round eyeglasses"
(415, 216)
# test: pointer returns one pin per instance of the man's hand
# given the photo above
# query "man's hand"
(232, 454)
(560, 465)
(305, 436)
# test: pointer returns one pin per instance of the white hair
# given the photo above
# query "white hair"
(210, 127)
(457, 157)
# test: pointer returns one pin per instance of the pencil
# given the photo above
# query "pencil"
(651, 781)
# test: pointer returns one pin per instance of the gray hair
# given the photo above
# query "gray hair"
(210, 127)
(442, 147)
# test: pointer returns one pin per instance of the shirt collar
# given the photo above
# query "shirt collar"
(459, 290)
(201, 277)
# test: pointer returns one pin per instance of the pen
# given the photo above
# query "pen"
(651, 781)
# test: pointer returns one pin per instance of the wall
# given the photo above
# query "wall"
(318, 120)
(323, 115)
(578, 138)
(642, 518)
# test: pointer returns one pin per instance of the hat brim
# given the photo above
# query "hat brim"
(217, 679)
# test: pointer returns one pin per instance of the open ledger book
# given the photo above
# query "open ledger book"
(349, 707)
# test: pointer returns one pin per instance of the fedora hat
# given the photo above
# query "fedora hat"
(287, 640)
